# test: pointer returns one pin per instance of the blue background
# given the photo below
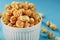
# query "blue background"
(50, 9)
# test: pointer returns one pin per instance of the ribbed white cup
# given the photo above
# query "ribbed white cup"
(31, 33)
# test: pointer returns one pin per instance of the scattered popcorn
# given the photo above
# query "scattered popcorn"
(53, 27)
(57, 38)
(44, 29)
(50, 35)
(48, 23)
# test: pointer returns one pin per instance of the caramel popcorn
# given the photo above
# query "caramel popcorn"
(31, 5)
(5, 18)
(26, 24)
(50, 35)
(24, 18)
(20, 15)
(36, 22)
(28, 12)
(57, 38)
(9, 24)
(32, 24)
(44, 29)
(8, 7)
(37, 17)
(15, 5)
(26, 5)
(13, 19)
(17, 13)
(53, 27)
(19, 24)
(48, 23)
(8, 13)
(31, 20)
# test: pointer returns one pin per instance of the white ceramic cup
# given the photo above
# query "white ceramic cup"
(31, 33)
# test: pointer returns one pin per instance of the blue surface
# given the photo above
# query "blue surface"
(51, 10)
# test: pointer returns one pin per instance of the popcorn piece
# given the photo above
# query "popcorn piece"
(50, 35)
(31, 20)
(57, 38)
(37, 17)
(32, 24)
(36, 22)
(12, 10)
(5, 21)
(28, 12)
(5, 18)
(44, 29)
(53, 27)
(20, 5)
(17, 13)
(33, 9)
(24, 18)
(33, 14)
(31, 5)
(15, 5)
(26, 24)
(21, 11)
(26, 5)
(19, 24)
(48, 23)
(10, 24)
(8, 7)
(13, 19)
(8, 13)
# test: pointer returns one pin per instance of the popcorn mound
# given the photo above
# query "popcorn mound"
(20, 15)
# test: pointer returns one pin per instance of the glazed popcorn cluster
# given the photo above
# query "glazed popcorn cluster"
(20, 15)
